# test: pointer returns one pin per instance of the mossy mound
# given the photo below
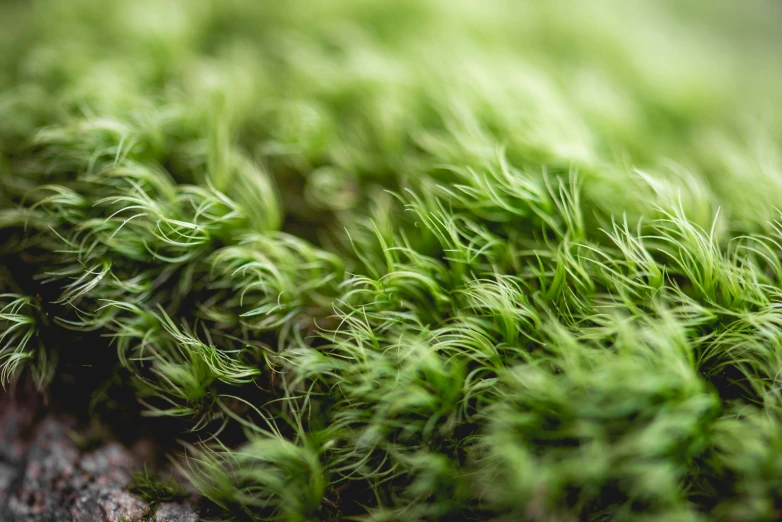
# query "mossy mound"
(410, 260)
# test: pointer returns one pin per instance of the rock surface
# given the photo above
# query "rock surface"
(46, 477)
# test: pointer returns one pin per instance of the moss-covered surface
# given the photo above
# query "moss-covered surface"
(409, 260)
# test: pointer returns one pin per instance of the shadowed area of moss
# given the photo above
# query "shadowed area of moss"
(413, 260)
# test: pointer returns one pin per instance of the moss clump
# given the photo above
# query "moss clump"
(413, 260)
(148, 486)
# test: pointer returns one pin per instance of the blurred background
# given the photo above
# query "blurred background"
(338, 97)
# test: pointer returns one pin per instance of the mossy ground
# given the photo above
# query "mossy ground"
(410, 260)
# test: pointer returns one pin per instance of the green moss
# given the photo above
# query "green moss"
(148, 486)
(413, 260)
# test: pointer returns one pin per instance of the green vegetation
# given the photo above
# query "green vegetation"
(148, 486)
(409, 260)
